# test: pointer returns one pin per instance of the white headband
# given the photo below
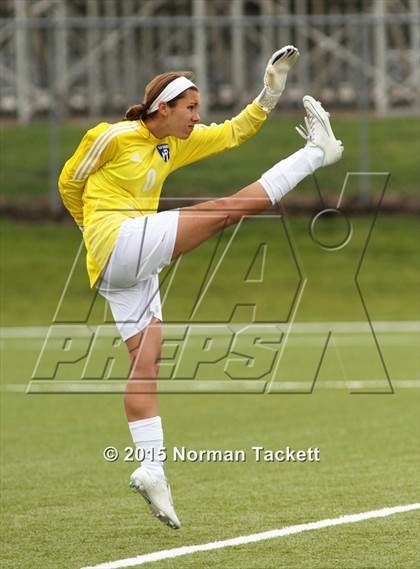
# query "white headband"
(175, 88)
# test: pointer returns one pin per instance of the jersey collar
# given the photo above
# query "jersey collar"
(145, 133)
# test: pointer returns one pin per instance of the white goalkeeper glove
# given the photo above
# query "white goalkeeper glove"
(275, 76)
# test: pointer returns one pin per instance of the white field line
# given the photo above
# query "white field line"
(253, 538)
(118, 386)
(10, 332)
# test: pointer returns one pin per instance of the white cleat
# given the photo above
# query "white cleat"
(318, 131)
(157, 493)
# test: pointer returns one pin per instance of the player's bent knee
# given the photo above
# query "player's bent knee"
(144, 372)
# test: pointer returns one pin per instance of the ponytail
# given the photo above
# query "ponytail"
(136, 112)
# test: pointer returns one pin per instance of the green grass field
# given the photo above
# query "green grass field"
(64, 506)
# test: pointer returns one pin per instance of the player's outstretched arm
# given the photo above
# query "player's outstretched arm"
(275, 76)
(206, 141)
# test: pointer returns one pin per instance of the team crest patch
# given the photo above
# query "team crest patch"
(163, 150)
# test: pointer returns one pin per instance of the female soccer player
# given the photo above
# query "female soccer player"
(111, 186)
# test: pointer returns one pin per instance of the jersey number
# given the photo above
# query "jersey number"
(150, 180)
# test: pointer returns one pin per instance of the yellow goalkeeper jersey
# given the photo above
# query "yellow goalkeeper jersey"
(118, 171)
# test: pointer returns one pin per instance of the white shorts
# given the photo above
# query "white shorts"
(130, 281)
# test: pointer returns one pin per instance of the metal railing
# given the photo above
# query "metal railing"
(99, 62)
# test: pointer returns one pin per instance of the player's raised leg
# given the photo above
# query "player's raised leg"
(199, 222)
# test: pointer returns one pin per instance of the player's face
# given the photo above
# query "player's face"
(184, 115)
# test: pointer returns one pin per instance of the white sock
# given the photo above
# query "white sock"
(148, 436)
(287, 173)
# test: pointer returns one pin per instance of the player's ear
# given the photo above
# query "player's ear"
(163, 108)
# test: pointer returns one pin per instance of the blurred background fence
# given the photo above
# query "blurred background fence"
(65, 59)
(95, 56)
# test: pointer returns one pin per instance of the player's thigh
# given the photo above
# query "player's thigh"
(200, 222)
(196, 226)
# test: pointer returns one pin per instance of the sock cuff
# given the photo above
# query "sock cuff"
(146, 429)
(267, 188)
(274, 183)
(146, 422)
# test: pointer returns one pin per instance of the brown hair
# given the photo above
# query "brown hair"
(153, 89)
